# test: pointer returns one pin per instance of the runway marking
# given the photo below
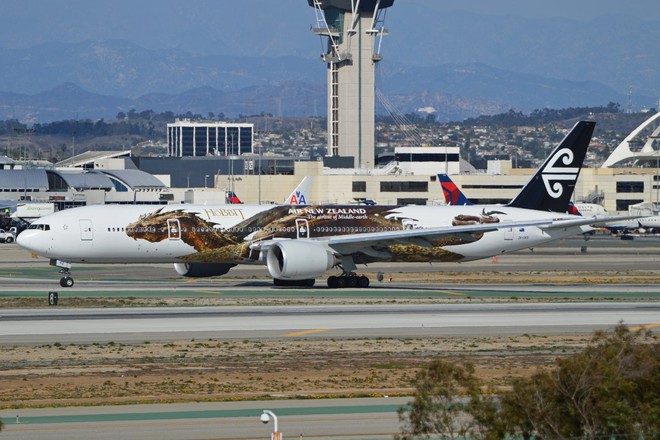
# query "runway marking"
(307, 332)
(210, 292)
(644, 327)
(449, 292)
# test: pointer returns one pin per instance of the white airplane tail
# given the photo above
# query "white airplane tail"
(301, 193)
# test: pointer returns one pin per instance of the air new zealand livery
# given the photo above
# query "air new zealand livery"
(298, 243)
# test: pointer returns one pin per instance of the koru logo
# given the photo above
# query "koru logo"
(555, 173)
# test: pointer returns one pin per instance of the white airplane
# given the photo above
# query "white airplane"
(298, 196)
(300, 243)
(300, 193)
(642, 224)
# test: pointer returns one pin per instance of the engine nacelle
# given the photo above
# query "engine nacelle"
(200, 270)
(298, 260)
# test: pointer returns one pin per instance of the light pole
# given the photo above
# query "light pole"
(265, 418)
(73, 146)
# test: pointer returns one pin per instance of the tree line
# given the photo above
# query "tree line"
(537, 117)
(610, 390)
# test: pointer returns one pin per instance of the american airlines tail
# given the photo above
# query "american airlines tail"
(453, 195)
(301, 193)
(552, 186)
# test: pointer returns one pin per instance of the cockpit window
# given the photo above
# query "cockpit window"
(41, 227)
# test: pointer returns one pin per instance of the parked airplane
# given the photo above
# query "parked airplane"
(298, 196)
(300, 243)
(643, 224)
(453, 195)
(301, 193)
(231, 198)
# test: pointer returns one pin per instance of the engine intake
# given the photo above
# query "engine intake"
(298, 260)
(201, 270)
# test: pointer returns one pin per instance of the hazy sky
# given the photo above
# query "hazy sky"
(578, 9)
(163, 23)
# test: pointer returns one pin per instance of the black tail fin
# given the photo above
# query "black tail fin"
(552, 186)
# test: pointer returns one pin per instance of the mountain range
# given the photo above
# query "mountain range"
(460, 64)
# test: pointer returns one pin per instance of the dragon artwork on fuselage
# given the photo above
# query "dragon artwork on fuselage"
(485, 217)
(213, 243)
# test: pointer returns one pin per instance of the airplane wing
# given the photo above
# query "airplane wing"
(584, 221)
(350, 243)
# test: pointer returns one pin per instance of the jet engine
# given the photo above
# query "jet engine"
(199, 270)
(298, 260)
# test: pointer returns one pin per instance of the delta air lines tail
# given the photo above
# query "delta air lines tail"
(453, 195)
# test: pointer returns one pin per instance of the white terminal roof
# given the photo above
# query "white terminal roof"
(89, 157)
(37, 179)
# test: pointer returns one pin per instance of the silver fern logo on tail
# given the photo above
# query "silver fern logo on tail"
(554, 174)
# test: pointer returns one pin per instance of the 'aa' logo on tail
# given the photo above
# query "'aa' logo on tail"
(297, 199)
(553, 174)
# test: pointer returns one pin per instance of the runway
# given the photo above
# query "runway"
(158, 324)
(397, 308)
(22, 275)
(368, 419)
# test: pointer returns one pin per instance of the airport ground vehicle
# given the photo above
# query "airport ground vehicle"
(7, 236)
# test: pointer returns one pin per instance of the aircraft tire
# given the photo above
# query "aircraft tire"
(352, 281)
(332, 282)
(341, 282)
(66, 282)
(363, 282)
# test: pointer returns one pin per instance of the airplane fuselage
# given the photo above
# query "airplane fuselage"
(227, 233)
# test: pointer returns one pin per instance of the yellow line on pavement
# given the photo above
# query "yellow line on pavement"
(307, 332)
(644, 327)
(449, 292)
(211, 292)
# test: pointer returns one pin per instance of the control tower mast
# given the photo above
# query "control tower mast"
(354, 30)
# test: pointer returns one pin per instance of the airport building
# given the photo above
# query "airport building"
(187, 138)
(352, 33)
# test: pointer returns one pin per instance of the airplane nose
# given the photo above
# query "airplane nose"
(28, 240)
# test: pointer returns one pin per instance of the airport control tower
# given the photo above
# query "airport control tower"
(353, 30)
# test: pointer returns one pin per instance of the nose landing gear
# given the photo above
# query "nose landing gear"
(66, 280)
(65, 270)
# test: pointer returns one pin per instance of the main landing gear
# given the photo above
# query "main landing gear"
(351, 280)
(348, 278)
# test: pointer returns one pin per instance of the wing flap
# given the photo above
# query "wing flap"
(586, 221)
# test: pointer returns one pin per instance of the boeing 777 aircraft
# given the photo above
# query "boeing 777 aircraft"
(300, 243)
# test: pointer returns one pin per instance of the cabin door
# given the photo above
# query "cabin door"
(86, 230)
(302, 228)
(173, 229)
